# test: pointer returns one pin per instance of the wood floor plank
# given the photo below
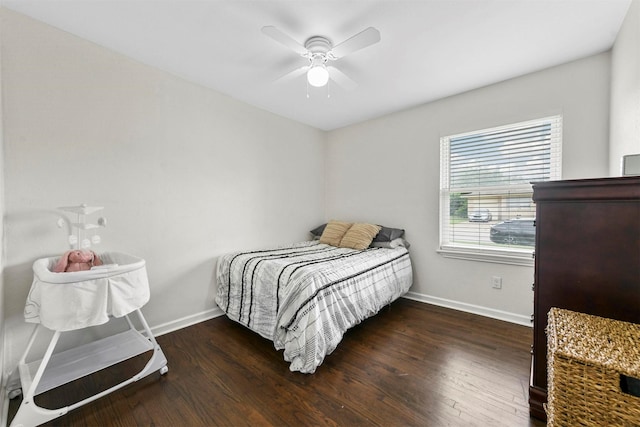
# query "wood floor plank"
(413, 364)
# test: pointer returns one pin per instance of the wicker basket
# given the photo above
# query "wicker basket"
(590, 360)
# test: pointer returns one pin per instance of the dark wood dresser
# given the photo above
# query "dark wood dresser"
(587, 259)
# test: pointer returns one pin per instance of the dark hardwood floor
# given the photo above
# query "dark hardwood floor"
(412, 364)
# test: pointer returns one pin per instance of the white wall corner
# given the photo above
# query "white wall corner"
(624, 132)
(9, 387)
(4, 405)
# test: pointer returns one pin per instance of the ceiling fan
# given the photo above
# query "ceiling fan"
(319, 50)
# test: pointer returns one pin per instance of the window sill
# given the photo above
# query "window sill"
(499, 257)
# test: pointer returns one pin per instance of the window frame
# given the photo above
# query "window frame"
(477, 252)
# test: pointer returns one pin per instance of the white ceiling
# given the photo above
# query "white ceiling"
(429, 49)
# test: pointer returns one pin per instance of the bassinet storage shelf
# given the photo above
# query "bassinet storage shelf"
(71, 301)
(78, 362)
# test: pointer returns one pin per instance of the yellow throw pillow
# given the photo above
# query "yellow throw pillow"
(359, 236)
(333, 232)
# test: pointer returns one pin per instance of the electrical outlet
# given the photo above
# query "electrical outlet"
(496, 282)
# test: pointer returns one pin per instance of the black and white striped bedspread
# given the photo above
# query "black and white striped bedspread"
(304, 296)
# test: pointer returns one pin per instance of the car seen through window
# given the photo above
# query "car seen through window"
(519, 231)
(480, 215)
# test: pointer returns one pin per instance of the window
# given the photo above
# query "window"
(486, 209)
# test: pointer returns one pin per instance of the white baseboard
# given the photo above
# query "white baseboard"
(190, 320)
(519, 319)
(471, 308)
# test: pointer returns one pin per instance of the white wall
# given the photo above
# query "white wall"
(184, 173)
(625, 91)
(387, 171)
(3, 409)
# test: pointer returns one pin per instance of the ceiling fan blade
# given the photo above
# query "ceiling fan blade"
(361, 40)
(341, 78)
(284, 39)
(293, 74)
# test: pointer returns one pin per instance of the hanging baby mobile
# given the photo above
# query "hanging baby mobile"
(82, 236)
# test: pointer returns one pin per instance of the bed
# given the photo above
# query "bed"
(305, 296)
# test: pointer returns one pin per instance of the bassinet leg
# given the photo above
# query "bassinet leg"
(158, 361)
(29, 413)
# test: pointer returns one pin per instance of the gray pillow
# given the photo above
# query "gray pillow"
(388, 234)
(317, 232)
(395, 243)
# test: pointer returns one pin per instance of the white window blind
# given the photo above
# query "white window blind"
(485, 187)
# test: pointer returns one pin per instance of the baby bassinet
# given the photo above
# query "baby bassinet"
(69, 301)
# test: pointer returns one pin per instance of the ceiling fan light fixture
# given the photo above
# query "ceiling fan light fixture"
(318, 75)
(318, 50)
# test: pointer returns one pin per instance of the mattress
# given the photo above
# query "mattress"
(306, 295)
